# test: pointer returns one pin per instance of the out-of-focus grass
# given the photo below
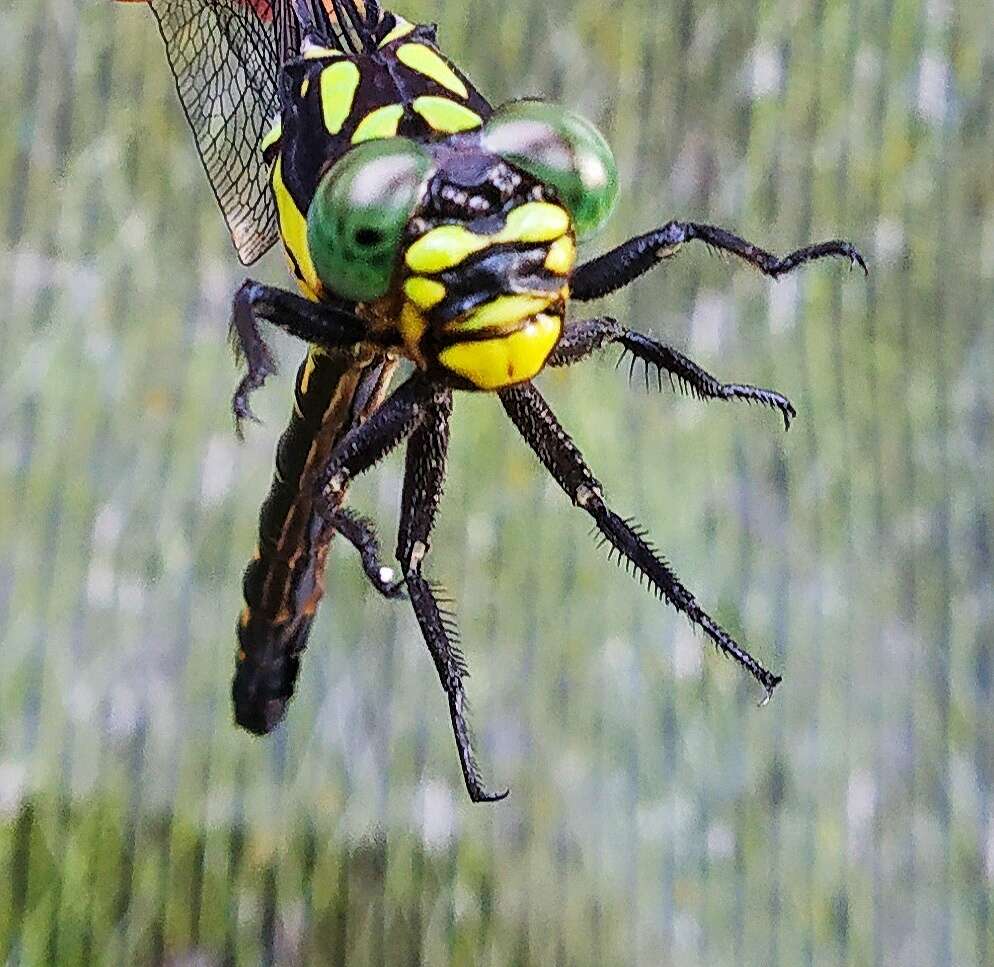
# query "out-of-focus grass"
(656, 815)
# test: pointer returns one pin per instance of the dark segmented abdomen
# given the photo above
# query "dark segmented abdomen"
(285, 579)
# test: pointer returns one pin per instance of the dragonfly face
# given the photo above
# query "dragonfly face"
(418, 221)
(462, 251)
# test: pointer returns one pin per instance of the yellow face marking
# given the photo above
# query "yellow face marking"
(444, 247)
(562, 256)
(448, 245)
(293, 230)
(445, 115)
(381, 123)
(338, 87)
(271, 136)
(402, 29)
(424, 293)
(305, 86)
(425, 61)
(412, 326)
(536, 221)
(500, 313)
(491, 364)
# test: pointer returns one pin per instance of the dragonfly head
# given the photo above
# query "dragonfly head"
(467, 243)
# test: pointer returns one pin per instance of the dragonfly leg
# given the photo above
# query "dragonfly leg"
(327, 326)
(635, 257)
(424, 476)
(360, 532)
(589, 335)
(369, 442)
(553, 446)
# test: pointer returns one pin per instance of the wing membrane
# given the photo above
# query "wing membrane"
(225, 58)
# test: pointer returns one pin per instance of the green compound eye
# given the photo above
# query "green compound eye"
(356, 221)
(560, 149)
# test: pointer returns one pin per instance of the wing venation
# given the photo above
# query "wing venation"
(225, 58)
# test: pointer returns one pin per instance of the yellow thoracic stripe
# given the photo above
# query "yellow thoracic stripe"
(381, 123)
(310, 364)
(446, 116)
(293, 230)
(315, 52)
(446, 246)
(402, 29)
(271, 136)
(338, 86)
(425, 61)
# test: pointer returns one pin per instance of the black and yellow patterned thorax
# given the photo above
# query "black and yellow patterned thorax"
(333, 101)
(480, 291)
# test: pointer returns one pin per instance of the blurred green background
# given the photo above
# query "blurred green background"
(657, 816)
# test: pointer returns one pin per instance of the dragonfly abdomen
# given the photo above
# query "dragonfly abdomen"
(284, 582)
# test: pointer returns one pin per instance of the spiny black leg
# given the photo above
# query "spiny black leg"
(329, 326)
(633, 258)
(361, 534)
(554, 447)
(583, 338)
(424, 476)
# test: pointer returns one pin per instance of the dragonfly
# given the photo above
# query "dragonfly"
(422, 224)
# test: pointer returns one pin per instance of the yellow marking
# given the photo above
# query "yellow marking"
(309, 366)
(500, 313)
(448, 245)
(444, 247)
(491, 364)
(381, 123)
(424, 293)
(402, 29)
(338, 87)
(535, 221)
(243, 619)
(425, 61)
(313, 53)
(293, 230)
(305, 289)
(445, 115)
(412, 328)
(305, 86)
(271, 136)
(562, 256)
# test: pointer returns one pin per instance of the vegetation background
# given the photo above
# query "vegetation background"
(657, 816)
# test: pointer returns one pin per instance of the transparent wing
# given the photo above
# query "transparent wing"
(225, 57)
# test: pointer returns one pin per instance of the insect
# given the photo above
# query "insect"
(420, 223)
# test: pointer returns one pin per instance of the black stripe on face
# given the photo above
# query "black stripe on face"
(494, 272)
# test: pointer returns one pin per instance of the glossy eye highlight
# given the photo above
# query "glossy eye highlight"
(561, 149)
(355, 224)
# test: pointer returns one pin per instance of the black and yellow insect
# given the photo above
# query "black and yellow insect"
(420, 224)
